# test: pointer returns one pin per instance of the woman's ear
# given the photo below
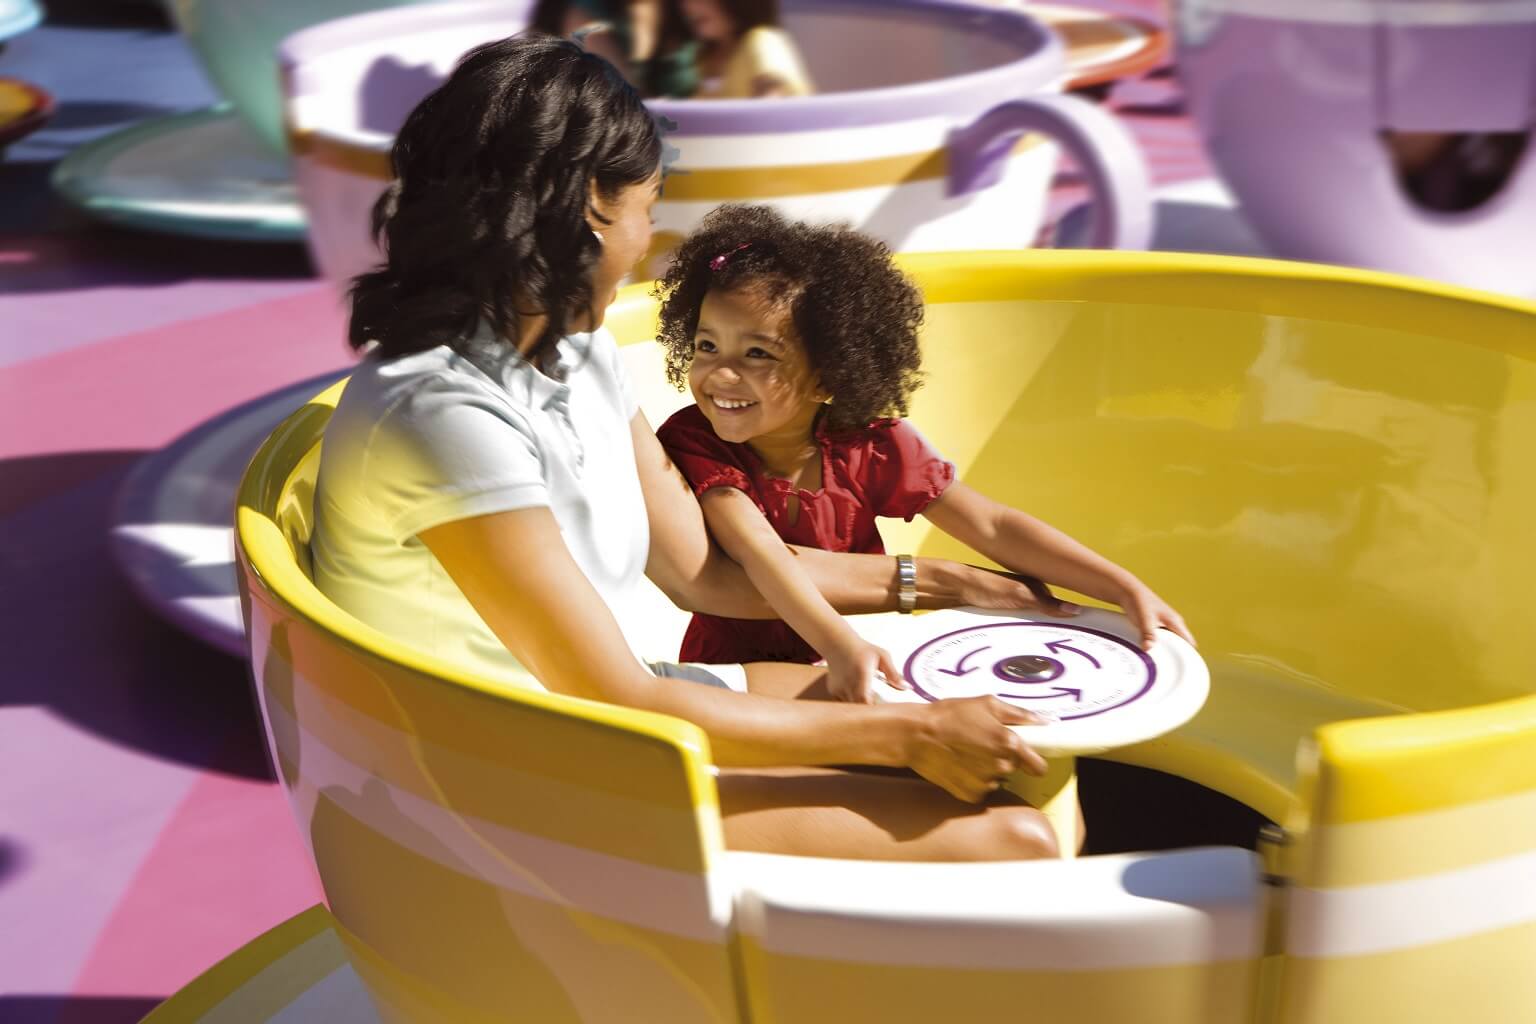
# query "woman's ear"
(597, 210)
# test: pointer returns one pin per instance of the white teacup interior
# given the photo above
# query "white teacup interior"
(367, 86)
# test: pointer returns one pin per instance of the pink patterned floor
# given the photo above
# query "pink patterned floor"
(141, 835)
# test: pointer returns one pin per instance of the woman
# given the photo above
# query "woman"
(489, 491)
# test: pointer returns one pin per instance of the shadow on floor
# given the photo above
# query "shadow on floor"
(64, 250)
(79, 643)
(75, 1009)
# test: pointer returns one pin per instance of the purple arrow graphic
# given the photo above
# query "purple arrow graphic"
(960, 669)
(1057, 646)
(1056, 691)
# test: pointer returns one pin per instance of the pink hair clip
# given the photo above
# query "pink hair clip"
(719, 262)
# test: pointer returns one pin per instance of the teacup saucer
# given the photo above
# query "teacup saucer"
(173, 522)
(17, 16)
(200, 173)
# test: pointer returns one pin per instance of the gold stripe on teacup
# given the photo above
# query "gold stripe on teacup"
(709, 184)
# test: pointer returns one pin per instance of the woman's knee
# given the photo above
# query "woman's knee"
(1017, 833)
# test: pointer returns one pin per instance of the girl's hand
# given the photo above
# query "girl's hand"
(1151, 613)
(851, 671)
(965, 747)
(988, 588)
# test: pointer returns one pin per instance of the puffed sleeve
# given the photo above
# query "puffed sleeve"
(451, 452)
(705, 460)
(904, 472)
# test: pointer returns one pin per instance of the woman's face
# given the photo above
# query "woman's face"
(707, 20)
(626, 238)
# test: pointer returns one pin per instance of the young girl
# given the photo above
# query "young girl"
(743, 53)
(796, 341)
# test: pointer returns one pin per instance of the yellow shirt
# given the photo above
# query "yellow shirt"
(762, 51)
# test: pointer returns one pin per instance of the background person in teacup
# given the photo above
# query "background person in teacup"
(743, 52)
(798, 343)
(647, 40)
(489, 491)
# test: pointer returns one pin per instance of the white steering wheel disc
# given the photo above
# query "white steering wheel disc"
(1087, 675)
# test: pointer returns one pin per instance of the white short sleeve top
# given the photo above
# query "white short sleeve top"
(428, 438)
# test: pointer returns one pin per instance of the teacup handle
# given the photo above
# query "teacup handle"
(1117, 174)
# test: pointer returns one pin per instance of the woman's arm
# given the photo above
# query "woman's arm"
(1024, 544)
(747, 536)
(516, 571)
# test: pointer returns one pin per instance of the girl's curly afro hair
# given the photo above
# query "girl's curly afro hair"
(855, 313)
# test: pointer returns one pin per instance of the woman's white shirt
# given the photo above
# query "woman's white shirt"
(436, 436)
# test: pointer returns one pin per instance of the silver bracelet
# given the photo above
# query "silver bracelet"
(906, 582)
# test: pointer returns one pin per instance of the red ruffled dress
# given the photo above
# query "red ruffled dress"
(887, 469)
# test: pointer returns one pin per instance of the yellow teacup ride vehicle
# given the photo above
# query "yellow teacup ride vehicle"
(1329, 471)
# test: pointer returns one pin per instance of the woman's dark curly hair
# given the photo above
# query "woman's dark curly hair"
(489, 204)
(855, 313)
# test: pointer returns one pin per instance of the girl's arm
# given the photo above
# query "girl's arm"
(1023, 544)
(516, 571)
(698, 577)
(774, 569)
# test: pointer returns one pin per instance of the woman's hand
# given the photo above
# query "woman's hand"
(965, 746)
(988, 588)
(1150, 613)
(851, 671)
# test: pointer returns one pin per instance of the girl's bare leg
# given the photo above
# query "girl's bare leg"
(866, 815)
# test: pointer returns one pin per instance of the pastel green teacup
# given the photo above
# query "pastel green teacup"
(236, 40)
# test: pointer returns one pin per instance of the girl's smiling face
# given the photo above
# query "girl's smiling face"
(750, 374)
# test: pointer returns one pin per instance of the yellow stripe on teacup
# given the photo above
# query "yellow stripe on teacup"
(704, 184)
(1412, 764)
